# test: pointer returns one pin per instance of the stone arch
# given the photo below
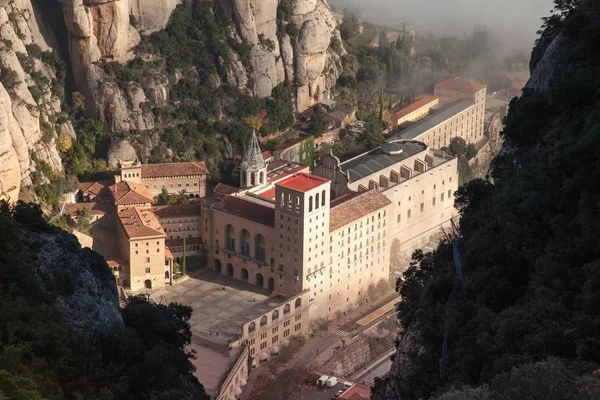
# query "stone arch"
(148, 284)
(259, 247)
(286, 309)
(275, 315)
(229, 269)
(166, 274)
(245, 242)
(323, 198)
(298, 303)
(263, 320)
(317, 201)
(310, 204)
(259, 281)
(251, 327)
(244, 273)
(218, 265)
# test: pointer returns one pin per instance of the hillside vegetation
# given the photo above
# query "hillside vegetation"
(526, 322)
(92, 352)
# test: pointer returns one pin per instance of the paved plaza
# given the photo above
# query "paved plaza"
(218, 314)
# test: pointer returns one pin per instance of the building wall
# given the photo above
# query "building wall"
(147, 253)
(193, 185)
(227, 260)
(359, 257)
(179, 227)
(234, 378)
(278, 325)
(418, 114)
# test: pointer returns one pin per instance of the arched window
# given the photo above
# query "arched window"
(323, 198)
(230, 238)
(262, 177)
(275, 315)
(259, 247)
(263, 320)
(317, 201)
(244, 274)
(245, 242)
(310, 204)
(252, 327)
(286, 309)
(298, 302)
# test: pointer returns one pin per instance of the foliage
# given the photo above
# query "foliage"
(64, 142)
(306, 153)
(10, 78)
(164, 198)
(350, 26)
(87, 155)
(43, 358)
(372, 135)
(317, 126)
(464, 152)
(530, 257)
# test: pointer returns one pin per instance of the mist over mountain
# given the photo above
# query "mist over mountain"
(516, 20)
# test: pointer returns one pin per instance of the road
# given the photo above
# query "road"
(377, 368)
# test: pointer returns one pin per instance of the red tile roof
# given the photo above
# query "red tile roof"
(355, 208)
(302, 182)
(247, 210)
(419, 102)
(357, 392)
(174, 211)
(170, 170)
(95, 208)
(224, 190)
(460, 85)
(267, 154)
(95, 188)
(268, 194)
(140, 223)
(125, 192)
(168, 254)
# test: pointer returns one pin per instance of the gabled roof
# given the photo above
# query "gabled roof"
(94, 207)
(460, 85)
(96, 188)
(357, 392)
(124, 193)
(224, 190)
(420, 101)
(140, 223)
(173, 211)
(169, 170)
(279, 169)
(247, 210)
(356, 208)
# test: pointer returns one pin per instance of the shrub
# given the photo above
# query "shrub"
(10, 79)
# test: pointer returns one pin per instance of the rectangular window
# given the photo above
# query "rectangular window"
(422, 207)
(147, 270)
(433, 201)
(408, 214)
(147, 259)
(449, 194)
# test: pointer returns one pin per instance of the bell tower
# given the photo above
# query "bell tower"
(254, 169)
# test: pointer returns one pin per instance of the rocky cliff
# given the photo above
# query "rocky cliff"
(109, 30)
(28, 103)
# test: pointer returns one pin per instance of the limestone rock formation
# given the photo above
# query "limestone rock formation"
(152, 15)
(24, 120)
(93, 303)
(120, 150)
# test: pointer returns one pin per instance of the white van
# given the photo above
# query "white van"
(331, 382)
(348, 384)
(322, 381)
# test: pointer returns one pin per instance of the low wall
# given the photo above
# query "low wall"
(236, 378)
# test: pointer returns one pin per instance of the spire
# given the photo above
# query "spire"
(253, 159)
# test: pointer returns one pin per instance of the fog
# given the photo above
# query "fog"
(515, 21)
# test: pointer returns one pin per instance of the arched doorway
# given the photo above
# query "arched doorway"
(229, 269)
(218, 266)
(125, 283)
(166, 274)
(244, 274)
(148, 284)
(260, 280)
(271, 284)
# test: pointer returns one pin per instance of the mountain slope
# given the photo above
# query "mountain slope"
(529, 241)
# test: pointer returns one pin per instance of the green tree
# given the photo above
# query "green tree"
(164, 198)
(317, 126)
(350, 26)
(372, 135)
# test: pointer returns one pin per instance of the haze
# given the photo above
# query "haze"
(516, 20)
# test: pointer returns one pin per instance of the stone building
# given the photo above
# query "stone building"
(415, 111)
(418, 181)
(181, 222)
(461, 115)
(175, 177)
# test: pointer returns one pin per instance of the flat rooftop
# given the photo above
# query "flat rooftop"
(218, 311)
(302, 182)
(377, 159)
(434, 120)
(420, 101)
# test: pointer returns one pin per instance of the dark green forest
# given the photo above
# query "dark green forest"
(43, 358)
(526, 322)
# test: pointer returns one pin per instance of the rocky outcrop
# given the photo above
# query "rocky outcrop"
(87, 289)
(24, 120)
(152, 15)
(120, 150)
(304, 60)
